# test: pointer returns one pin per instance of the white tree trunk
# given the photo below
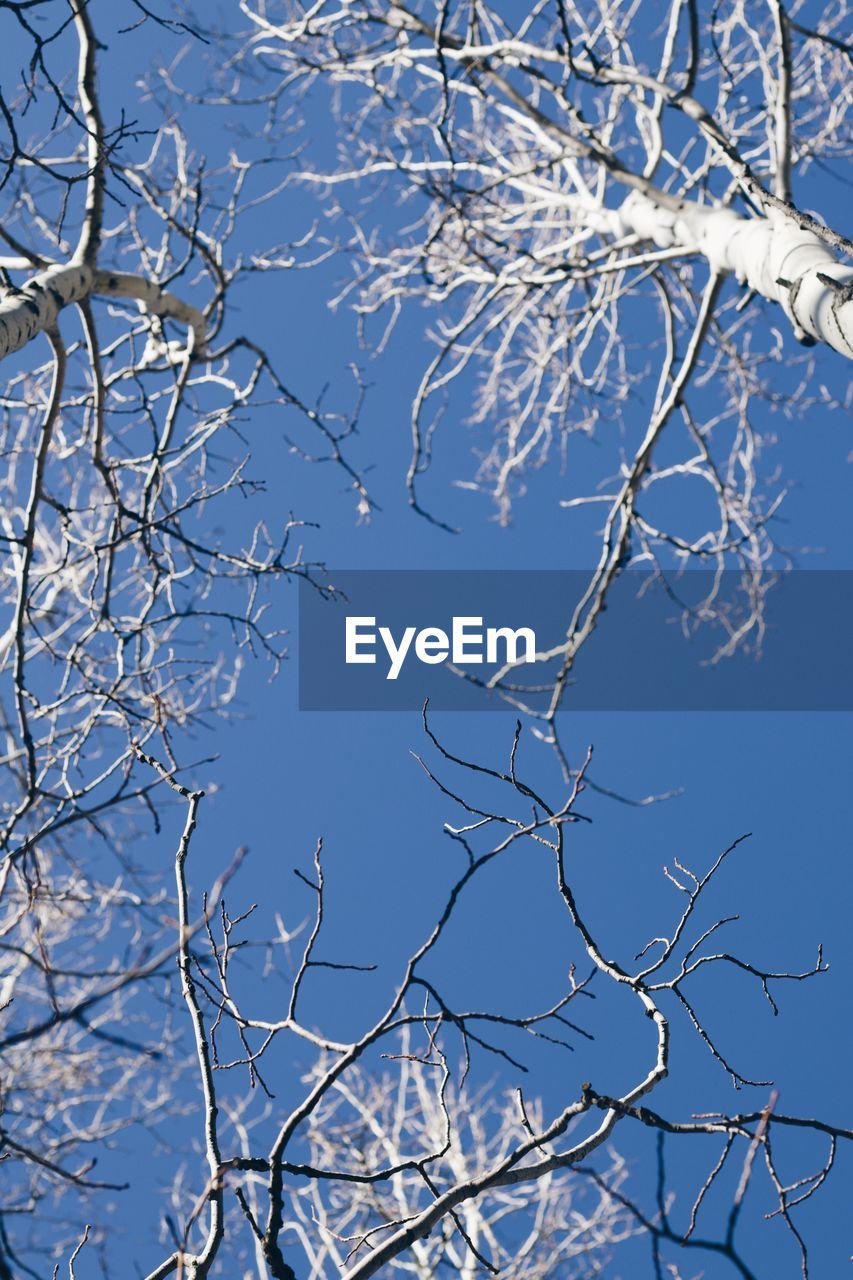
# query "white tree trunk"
(772, 255)
(35, 307)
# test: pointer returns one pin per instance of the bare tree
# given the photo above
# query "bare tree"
(127, 617)
(546, 1227)
(605, 208)
(367, 1172)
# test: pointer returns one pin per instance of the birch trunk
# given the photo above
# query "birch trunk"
(35, 307)
(772, 255)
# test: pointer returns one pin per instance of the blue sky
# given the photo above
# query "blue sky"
(288, 777)
(283, 778)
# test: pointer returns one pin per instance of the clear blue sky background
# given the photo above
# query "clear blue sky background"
(289, 777)
(284, 778)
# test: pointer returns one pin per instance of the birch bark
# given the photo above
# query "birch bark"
(771, 255)
(34, 308)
